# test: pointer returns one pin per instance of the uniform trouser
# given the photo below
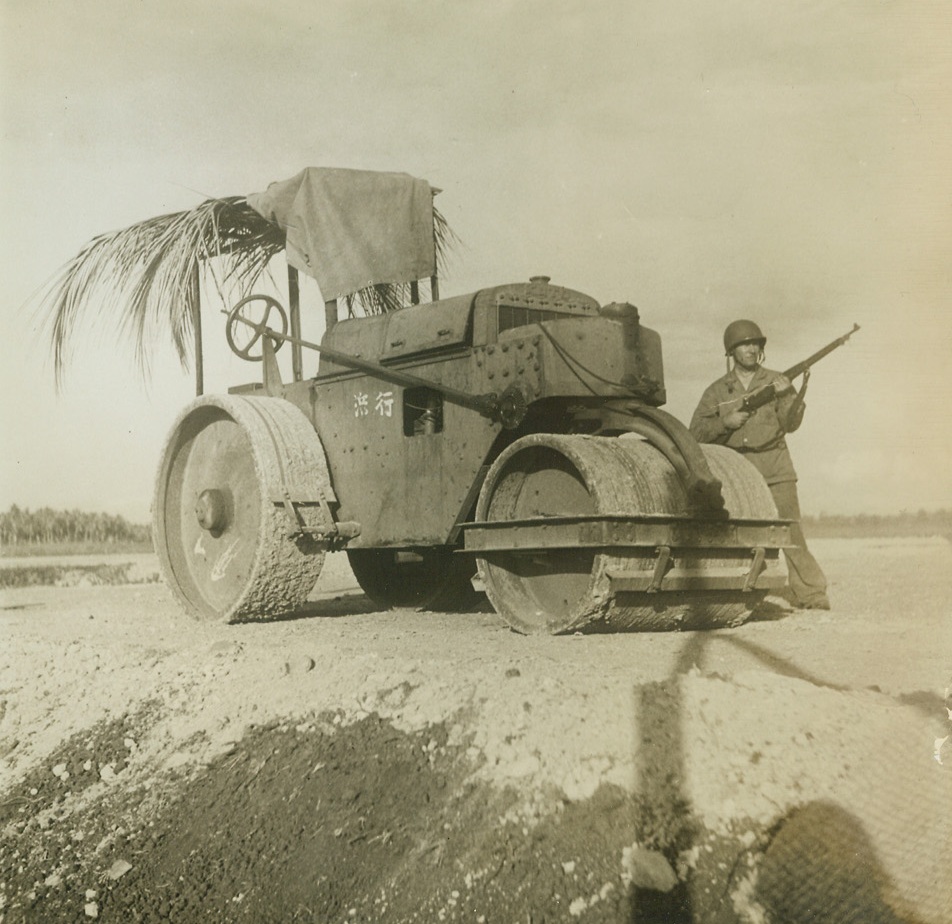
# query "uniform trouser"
(807, 580)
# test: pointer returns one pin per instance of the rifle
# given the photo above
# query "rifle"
(766, 393)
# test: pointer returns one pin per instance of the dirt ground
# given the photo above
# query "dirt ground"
(351, 765)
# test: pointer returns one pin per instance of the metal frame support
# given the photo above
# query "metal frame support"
(294, 306)
(334, 535)
(271, 373)
(330, 314)
(663, 565)
(756, 568)
(196, 298)
(434, 281)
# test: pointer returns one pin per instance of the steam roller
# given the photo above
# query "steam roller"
(507, 443)
(463, 450)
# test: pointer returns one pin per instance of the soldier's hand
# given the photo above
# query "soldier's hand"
(782, 385)
(736, 419)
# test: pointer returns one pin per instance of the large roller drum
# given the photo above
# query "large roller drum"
(435, 578)
(241, 497)
(544, 481)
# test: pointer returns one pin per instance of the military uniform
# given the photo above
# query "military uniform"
(760, 439)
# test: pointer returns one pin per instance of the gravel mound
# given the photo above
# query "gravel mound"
(403, 766)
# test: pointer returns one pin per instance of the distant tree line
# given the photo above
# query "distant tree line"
(907, 523)
(20, 525)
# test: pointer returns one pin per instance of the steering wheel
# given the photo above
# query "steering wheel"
(237, 320)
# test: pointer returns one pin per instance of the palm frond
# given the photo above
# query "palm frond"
(445, 239)
(144, 279)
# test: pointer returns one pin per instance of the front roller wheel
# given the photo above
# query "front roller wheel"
(227, 546)
(549, 477)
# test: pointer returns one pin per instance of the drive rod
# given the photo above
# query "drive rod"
(508, 408)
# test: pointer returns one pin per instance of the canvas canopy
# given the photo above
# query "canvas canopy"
(349, 229)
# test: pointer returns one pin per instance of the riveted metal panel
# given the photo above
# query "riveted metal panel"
(404, 490)
(420, 328)
(360, 337)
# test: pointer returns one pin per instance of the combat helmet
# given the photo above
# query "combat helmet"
(739, 332)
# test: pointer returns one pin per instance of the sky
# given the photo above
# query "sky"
(786, 163)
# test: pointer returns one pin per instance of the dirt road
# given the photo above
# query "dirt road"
(352, 765)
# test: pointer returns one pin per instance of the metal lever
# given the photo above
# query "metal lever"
(663, 564)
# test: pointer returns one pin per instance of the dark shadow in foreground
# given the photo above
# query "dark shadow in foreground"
(821, 866)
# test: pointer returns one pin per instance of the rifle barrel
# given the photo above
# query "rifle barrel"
(802, 366)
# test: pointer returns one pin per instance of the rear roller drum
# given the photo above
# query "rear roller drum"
(556, 590)
(428, 578)
(227, 546)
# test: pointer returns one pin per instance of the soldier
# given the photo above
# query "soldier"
(759, 436)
